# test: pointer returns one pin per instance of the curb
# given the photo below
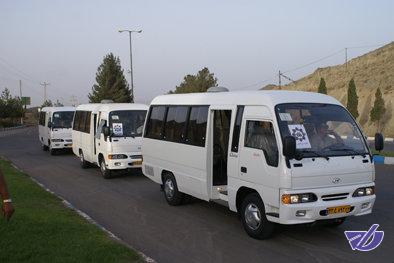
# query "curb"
(379, 159)
(84, 215)
(12, 128)
(385, 139)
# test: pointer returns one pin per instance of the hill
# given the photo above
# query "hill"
(370, 71)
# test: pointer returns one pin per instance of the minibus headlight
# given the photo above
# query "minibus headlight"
(364, 191)
(117, 156)
(298, 198)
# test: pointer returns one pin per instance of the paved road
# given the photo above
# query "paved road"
(133, 208)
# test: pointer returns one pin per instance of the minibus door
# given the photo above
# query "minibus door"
(219, 146)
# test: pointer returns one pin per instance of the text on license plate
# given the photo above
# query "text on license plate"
(339, 209)
(137, 163)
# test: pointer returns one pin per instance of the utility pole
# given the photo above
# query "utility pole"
(45, 84)
(131, 60)
(20, 97)
(346, 57)
(280, 81)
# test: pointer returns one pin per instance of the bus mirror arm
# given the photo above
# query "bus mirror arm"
(289, 147)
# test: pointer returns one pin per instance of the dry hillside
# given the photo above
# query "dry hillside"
(370, 71)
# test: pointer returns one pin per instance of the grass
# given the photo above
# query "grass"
(44, 230)
(384, 153)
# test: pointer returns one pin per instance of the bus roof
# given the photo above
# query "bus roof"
(261, 97)
(112, 106)
(56, 109)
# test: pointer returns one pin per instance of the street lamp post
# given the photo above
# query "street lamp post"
(131, 59)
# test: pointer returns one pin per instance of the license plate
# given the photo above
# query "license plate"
(339, 209)
(137, 163)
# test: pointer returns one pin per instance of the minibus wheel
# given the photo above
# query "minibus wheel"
(83, 162)
(44, 148)
(105, 172)
(253, 217)
(171, 192)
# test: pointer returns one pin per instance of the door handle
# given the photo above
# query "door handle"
(244, 169)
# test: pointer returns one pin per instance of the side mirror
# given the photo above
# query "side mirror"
(106, 131)
(379, 142)
(289, 147)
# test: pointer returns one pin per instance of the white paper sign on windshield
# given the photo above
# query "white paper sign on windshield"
(299, 133)
(117, 129)
(284, 116)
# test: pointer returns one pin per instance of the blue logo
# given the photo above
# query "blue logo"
(365, 240)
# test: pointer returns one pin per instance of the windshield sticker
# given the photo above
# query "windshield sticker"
(56, 115)
(117, 129)
(284, 116)
(299, 133)
(115, 117)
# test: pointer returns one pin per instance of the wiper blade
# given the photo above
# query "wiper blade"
(316, 153)
(350, 150)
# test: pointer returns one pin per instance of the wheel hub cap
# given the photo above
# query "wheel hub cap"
(169, 188)
(252, 216)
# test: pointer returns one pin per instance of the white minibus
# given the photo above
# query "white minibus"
(109, 135)
(54, 128)
(281, 157)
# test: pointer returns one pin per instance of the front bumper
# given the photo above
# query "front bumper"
(121, 164)
(317, 210)
(62, 145)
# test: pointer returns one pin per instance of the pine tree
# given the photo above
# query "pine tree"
(322, 86)
(378, 108)
(200, 82)
(352, 99)
(111, 83)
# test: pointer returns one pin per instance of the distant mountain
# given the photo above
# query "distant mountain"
(370, 71)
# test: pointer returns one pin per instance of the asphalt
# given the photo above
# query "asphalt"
(134, 209)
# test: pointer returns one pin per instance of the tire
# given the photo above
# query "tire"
(336, 222)
(253, 217)
(84, 164)
(170, 190)
(52, 151)
(44, 148)
(106, 173)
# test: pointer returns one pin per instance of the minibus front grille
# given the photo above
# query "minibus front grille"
(333, 197)
(136, 156)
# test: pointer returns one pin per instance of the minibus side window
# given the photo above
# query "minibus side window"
(76, 120)
(260, 135)
(197, 127)
(237, 129)
(81, 123)
(49, 121)
(100, 128)
(87, 122)
(174, 128)
(42, 119)
(155, 122)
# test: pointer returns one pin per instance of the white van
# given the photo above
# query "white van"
(272, 156)
(109, 135)
(54, 128)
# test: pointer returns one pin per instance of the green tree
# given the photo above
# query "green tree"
(378, 108)
(352, 99)
(111, 83)
(47, 103)
(322, 86)
(197, 83)
(10, 107)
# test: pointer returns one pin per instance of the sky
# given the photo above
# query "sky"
(244, 43)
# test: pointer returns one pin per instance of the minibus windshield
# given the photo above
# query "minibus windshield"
(320, 129)
(127, 123)
(62, 119)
